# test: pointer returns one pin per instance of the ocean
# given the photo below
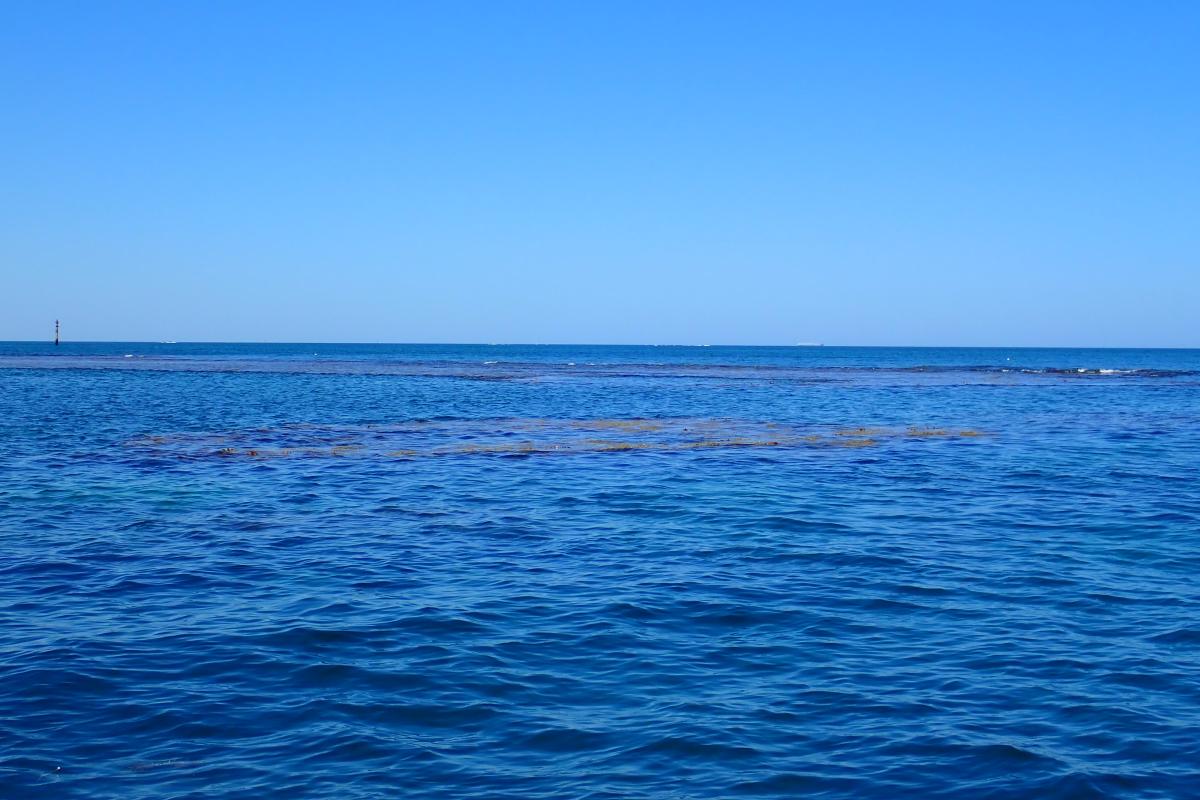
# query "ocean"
(485, 571)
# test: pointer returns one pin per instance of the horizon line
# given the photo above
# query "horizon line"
(804, 345)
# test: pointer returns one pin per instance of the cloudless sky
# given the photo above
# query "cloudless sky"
(955, 173)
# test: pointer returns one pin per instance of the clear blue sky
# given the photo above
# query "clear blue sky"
(966, 173)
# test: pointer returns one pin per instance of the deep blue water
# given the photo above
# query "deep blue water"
(433, 571)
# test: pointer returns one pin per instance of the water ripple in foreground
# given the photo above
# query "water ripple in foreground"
(359, 586)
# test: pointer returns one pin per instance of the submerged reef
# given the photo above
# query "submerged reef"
(519, 436)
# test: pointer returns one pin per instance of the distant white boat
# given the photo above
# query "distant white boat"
(809, 344)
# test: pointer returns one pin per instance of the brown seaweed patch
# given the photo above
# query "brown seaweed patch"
(854, 442)
(927, 433)
(530, 436)
(532, 424)
(617, 424)
(740, 441)
(503, 447)
(615, 447)
(860, 432)
(159, 439)
(941, 433)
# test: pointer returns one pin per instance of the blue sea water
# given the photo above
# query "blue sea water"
(434, 571)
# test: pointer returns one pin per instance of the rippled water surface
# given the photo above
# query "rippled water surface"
(322, 571)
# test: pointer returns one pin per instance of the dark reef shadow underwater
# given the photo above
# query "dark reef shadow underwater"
(420, 571)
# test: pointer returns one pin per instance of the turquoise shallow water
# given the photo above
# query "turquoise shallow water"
(352, 571)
